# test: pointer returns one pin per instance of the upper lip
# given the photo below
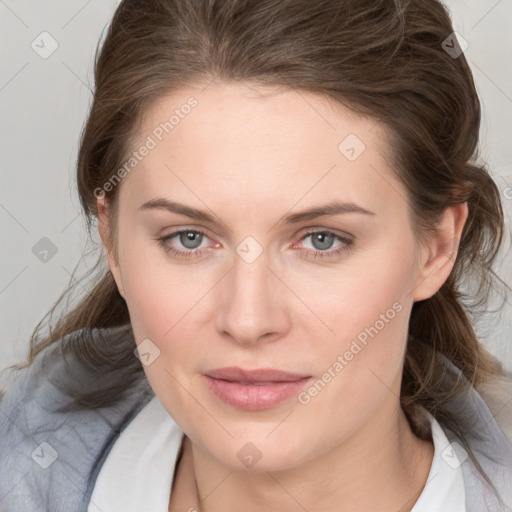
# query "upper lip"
(236, 374)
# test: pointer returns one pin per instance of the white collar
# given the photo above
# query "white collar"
(444, 489)
(137, 473)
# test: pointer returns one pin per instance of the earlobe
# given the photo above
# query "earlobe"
(440, 252)
(104, 232)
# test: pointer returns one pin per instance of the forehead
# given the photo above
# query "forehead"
(245, 143)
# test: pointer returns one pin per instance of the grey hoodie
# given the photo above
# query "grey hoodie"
(49, 460)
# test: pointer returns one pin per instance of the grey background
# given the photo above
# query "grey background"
(44, 103)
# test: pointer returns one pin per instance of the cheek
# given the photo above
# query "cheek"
(354, 297)
(158, 292)
(161, 299)
(359, 367)
(367, 309)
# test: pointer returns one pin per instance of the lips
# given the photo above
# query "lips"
(254, 389)
(259, 376)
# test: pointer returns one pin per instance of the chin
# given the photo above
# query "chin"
(255, 453)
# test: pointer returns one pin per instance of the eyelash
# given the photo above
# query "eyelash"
(345, 246)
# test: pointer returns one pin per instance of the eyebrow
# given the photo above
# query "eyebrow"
(160, 203)
(330, 209)
(333, 208)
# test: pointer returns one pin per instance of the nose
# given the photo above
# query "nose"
(253, 303)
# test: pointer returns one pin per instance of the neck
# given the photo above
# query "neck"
(384, 467)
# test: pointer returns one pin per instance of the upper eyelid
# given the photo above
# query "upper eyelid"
(341, 234)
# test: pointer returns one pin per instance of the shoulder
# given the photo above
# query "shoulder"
(485, 415)
(50, 452)
(497, 394)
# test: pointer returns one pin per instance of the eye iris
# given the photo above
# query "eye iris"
(190, 237)
(325, 240)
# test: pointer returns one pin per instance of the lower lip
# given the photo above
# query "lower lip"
(252, 397)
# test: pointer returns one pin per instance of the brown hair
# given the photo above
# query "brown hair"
(383, 59)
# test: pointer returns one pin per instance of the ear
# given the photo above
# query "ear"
(438, 254)
(104, 231)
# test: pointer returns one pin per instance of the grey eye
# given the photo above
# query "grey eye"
(190, 239)
(322, 240)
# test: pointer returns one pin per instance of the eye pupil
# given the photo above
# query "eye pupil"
(187, 237)
(325, 240)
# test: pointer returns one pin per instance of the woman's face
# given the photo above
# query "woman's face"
(268, 282)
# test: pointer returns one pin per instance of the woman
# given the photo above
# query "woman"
(289, 199)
